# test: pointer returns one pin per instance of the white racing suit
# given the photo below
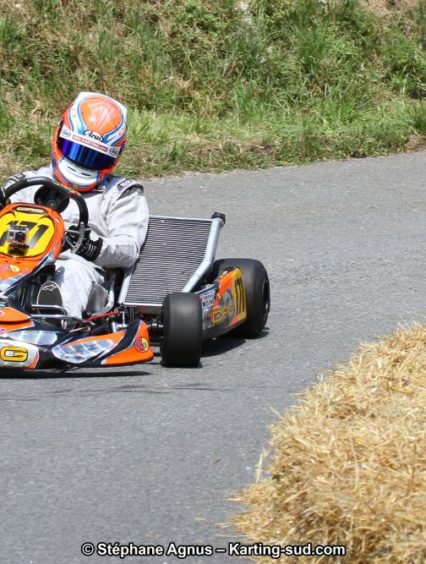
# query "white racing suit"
(118, 213)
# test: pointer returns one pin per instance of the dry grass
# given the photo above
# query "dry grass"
(349, 461)
(383, 8)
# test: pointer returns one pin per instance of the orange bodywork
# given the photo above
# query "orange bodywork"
(12, 315)
(29, 233)
(233, 309)
(139, 351)
(45, 230)
(15, 326)
(12, 319)
(35, 361)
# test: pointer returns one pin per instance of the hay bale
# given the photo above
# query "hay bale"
(349, 461)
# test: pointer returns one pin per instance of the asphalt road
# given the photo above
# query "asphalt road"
(150, 455)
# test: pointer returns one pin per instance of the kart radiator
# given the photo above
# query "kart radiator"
(176, 255)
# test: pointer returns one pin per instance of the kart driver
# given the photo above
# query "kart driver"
(87, 145)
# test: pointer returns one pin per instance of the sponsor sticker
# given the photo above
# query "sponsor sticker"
(18, 356)
(14, 268)
(208, 299)
(126, 183)
(10, 353)
(223, 313)
(89, 142)
(141, 344)
(29, 210)
(93, 134)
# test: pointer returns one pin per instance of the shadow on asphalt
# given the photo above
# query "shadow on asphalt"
(57, 373)
(221, 345)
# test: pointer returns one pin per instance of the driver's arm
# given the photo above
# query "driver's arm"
(127, 220)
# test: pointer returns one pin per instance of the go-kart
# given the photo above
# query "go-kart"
(176, 295)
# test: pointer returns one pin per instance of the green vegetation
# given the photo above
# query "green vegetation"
(215, 85)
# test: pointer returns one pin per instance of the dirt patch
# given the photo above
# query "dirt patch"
(416, 143)
(383, 8)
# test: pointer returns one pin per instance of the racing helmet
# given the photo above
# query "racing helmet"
(88, 141)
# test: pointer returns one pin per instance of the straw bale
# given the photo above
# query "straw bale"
(348, 462)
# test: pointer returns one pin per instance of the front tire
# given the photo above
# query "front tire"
(182, 330)
(257, 289)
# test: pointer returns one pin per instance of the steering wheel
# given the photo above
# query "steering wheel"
(47, 195)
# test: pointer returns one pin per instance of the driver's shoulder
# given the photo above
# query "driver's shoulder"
(116, 186)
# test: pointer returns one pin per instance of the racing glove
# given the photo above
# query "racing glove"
(89, 248)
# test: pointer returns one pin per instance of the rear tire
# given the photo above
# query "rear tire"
(182, 330)
(258, 297)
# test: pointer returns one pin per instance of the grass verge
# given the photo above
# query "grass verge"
(216, 85)
(349, 461)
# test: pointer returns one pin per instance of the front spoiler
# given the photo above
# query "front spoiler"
(129, 346)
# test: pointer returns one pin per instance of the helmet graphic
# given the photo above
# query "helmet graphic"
(88, 140)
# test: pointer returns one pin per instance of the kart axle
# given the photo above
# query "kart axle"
(155, 328)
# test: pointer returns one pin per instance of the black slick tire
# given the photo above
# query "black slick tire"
(182, 330)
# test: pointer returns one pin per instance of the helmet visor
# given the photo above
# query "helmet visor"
(84, 156)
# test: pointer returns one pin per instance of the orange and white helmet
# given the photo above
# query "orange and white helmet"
(88, 140)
